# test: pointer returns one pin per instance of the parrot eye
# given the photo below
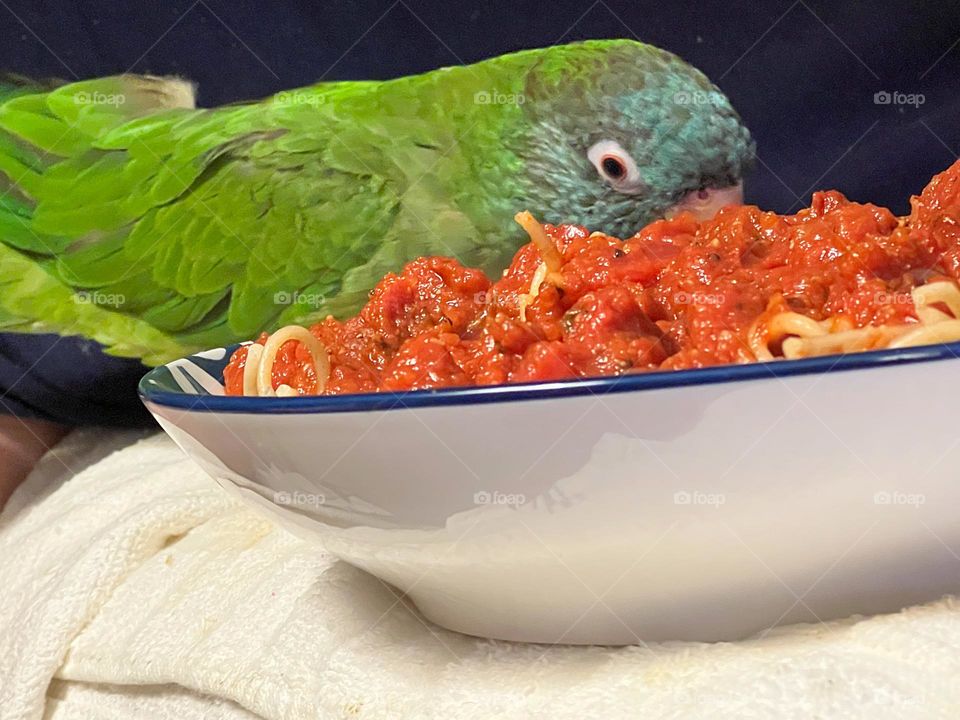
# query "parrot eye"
(615, 165)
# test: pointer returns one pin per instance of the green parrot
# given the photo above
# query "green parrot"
(158, 229)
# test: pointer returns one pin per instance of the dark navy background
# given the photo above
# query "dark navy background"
(803, 74)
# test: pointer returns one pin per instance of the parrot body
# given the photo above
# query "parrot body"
(157, 229)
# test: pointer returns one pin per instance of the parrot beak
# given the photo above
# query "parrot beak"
(706, 203)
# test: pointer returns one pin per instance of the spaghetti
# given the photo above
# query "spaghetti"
(552, 263)
(747, 286)
(257, 377)
(800, 336)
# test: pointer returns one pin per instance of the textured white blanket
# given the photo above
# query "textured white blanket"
(139, 589)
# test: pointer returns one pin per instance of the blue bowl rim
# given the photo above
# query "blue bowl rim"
(363, 402)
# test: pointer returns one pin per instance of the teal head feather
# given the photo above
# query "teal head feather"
(615, 133)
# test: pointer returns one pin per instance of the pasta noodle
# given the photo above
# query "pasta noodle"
(536, 282)
(251, 368)
(548, 251)
(549, 269)
(800, 336)
(258, 367)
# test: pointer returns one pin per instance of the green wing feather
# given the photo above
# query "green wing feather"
(158, 229)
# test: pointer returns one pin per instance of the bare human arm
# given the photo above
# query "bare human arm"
(23, 441)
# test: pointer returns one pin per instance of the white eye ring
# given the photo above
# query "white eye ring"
(607, 156)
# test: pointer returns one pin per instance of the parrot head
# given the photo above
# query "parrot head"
(620, 133)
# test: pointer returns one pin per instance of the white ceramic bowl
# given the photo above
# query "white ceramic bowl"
(695, 505)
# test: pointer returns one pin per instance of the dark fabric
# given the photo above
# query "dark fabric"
(804, 74)
(68, 380)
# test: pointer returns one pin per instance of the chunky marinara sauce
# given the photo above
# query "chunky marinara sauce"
(679, 294)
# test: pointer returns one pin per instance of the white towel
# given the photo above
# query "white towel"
(139, 589)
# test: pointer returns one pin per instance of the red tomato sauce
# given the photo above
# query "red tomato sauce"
(678, 294)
